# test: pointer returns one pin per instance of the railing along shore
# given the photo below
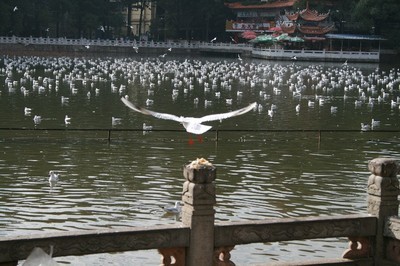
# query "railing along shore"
(374, 237)
(246, 50)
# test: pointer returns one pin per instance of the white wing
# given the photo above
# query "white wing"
(227, 115)
(148, 112)
(191, 124)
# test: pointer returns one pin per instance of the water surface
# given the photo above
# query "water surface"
(262, 173)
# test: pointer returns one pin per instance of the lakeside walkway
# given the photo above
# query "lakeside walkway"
(29, 44)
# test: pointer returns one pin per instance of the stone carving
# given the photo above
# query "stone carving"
(222, 256)
(393, 250)
(177, 254)
(359, 247)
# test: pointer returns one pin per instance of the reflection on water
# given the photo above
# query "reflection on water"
(128, 181)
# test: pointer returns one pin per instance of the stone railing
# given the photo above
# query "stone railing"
(101, 45)
(374, 237)
(316, 55)
(120, 43)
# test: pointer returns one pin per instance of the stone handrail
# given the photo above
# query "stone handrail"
(374, 237)
(240, 48)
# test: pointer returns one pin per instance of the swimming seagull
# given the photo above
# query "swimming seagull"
(27, 111)
(37, 119)
(67, 120)
(192, 124)
(174, 209)
(53, 178)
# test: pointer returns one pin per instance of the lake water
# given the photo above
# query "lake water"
(270, 163)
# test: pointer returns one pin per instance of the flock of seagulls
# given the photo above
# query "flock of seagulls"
(202, 84)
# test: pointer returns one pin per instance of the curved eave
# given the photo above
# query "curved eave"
(278, 4)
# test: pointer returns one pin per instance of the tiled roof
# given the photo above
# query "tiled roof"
(276, 4)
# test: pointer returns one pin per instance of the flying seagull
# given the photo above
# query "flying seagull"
(191, 124)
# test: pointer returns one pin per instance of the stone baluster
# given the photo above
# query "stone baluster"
(198, 211)
(383, 190)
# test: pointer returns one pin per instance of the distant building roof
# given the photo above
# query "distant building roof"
(276, 4)
(354, 37)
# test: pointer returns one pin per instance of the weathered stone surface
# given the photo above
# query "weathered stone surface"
(202, 175)
(383, 190)
(272, 230)
(95, 241)
(385, 167)
(198, 194)
(198, 211)
(359, 247)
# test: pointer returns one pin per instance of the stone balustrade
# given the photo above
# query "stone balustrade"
(374, 237)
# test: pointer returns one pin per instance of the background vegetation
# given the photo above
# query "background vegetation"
(178, 19)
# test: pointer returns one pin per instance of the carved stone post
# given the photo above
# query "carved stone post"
(198, 211)
(383, 189)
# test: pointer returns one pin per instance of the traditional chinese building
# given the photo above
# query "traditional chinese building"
(280, 16)
(308, 23)
(257, 17)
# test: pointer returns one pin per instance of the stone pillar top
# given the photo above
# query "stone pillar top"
(384, 167)
(383, 180)
(199, 171)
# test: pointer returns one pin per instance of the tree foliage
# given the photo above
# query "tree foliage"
(60, 18)
(176, 19)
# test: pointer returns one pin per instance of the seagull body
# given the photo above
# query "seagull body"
(53, 178)
(27, 111)
(192, 124)
(37, 119)
(67, 120)
(213, 39)
(174, 209)
(116, 121)
(365, 127)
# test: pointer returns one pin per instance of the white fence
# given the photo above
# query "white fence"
(318, 55)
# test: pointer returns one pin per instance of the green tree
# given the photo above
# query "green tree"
(380, 17)
(191, 19)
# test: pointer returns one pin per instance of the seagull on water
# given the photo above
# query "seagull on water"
(53, 178)
(67, 120)
(27, 111)
(192, 124)
(37, 119)
(176, 209)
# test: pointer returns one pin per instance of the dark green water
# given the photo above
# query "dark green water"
(262, 173)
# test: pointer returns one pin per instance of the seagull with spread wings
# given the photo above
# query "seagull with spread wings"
(192, 124)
